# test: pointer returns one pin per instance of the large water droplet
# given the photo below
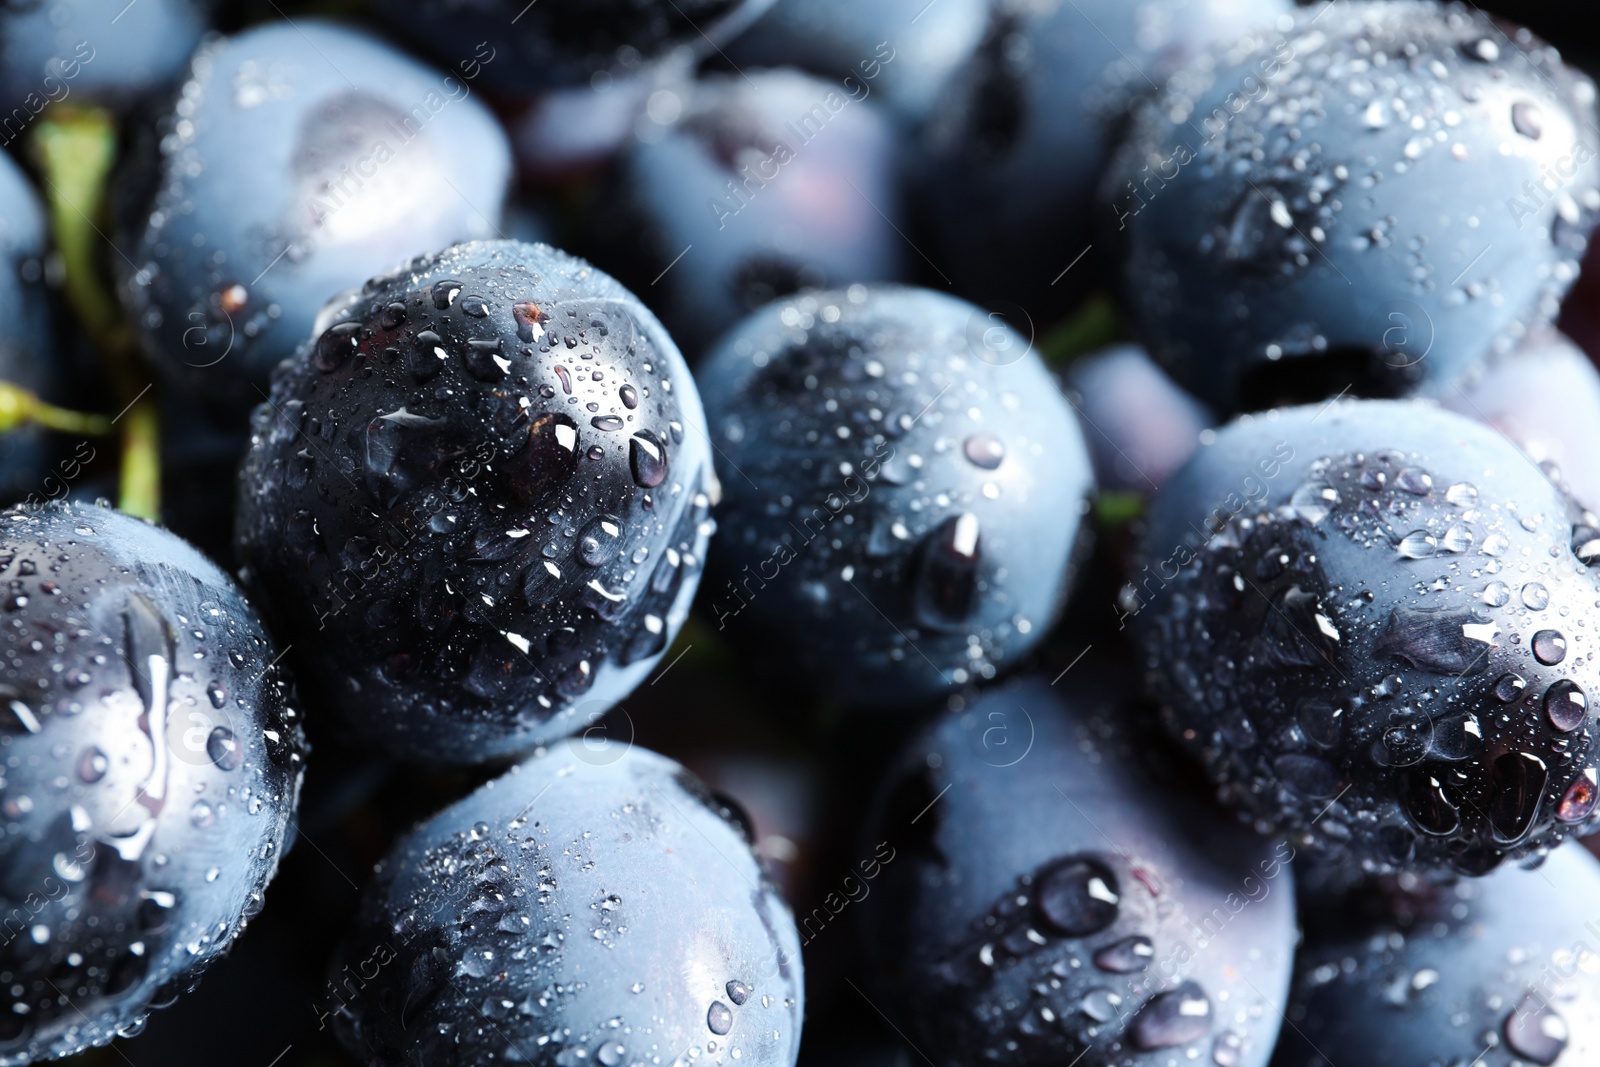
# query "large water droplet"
(550, 458)
(1173, 1018)
(1418, 544)
(1312, 501)
(984, 450)
(1527, 119)
(1440, 642)
(1549, 647)
(1518, 782)
(1320, 721)
(719, 1019)
(1457, 737)
(1126, 956)
(1509, 688)
(945, 576)
(1077, 896)
(600, 539)
(1579, 800)
(1425, 801)
(1535, 596)
(1566, 706)
(1415, 481)
(1535, 1032)
(224, 748)
(647, 455)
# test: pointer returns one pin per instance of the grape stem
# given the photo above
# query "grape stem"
(75, 148)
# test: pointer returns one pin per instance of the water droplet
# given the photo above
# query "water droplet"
(1173, 1018)
(337, 344)
(1312, 501)
(1320, 721)
(1535, 596)
(550, 458)
(1462, 494)
(1549, 647)
(647, 455)
(720, 1018)
(984, 450)
(1457, 539)
(1100, 1004)
(1126, 956)
(1415, 481)
(529, 321)
(484, 359)
(1457, 737)
(1566, 706)
(1509, 687)
(224, 749)
(600, 540)
(630, 397)
(92, 764)
(1497, 594)
(1495, 544)
(1579, 800)
(1425, 801)
(609, 423)
(1418, 544)
(738, 992)
(1077, 896)
(444, 293)
(1441, 642)
(1527, 119)
(1518, 782)
(1586, 545)
(201, 814)
(945, 574)
(1535, 1032)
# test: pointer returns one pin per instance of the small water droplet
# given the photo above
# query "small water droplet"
(1527, 119)
(984, 450)
(224, 748)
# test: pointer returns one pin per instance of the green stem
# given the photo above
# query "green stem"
(1093, 326)
(141, 461)
(76, 148)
